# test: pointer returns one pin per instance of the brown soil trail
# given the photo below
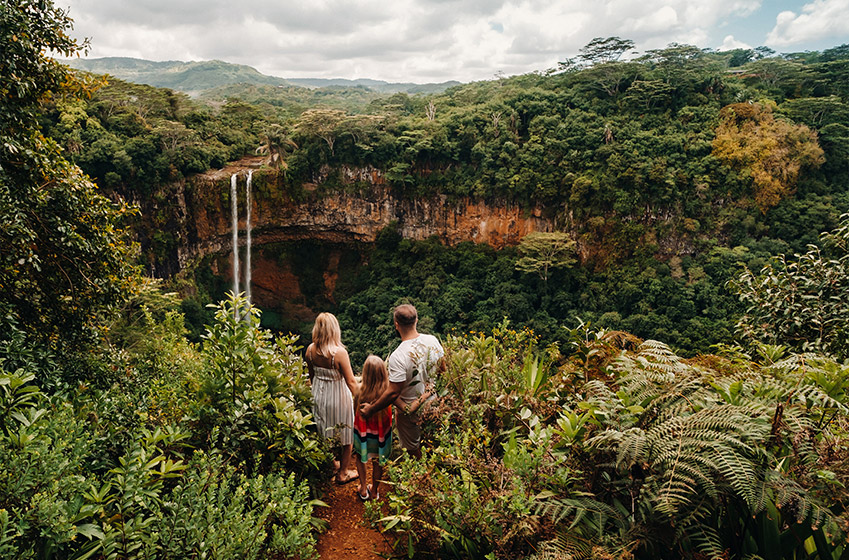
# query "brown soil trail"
(350, 536)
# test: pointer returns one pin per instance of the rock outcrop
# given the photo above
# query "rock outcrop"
(339, 216)
(193, 220)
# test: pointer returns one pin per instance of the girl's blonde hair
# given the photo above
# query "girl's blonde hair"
(375, 381)
(326, 334)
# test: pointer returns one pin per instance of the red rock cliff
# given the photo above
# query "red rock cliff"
(339, 216)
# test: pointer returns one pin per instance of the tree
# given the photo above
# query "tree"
(64, 257)
(645, 94)
(600, 51)
(611, 77)
(430, 110)
(599, 61)
(816, 112)
(801, 301)
(687, 69)
(541, 251)
(738, 57)
(840, 52)
(322, 123)
(277, 144)
(774, 71)
(835, 142)
(771, 151)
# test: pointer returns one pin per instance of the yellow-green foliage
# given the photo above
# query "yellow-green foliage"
(771, 151)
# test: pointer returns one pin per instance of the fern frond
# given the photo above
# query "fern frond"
(676, 492)
(795, 502)
(565, 546)
(706, 540)
(695, 440)
(699, 474)
(595, 390)
(632, 448)
(743, 476)
(578, 507)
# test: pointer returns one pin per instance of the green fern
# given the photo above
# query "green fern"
(698, 453)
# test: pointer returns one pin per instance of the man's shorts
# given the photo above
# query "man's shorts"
(409, 429)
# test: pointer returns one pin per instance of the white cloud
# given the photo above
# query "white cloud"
(730, 43)
(403, 40)
(662, 20)
(821, 19)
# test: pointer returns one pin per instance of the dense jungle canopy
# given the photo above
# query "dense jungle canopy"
(671, 172)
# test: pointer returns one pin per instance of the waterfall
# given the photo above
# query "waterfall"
(248, 240)
(234, 218)
(234, 215)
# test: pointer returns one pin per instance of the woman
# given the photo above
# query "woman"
(333, 385)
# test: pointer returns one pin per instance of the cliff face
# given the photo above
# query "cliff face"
(342, 216)
(328, 224)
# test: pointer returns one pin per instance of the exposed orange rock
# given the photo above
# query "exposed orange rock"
(202, 216)
(271, 279)
(331, 274)
(345, 217)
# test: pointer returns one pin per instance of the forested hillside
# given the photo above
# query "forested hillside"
(202, 78)
(669, 172)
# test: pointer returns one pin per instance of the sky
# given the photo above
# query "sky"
(438, 40)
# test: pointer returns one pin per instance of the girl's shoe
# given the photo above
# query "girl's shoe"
(366, 497)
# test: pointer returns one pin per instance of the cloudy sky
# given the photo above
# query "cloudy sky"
(438, 40)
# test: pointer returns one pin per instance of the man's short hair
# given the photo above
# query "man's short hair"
(405, 315)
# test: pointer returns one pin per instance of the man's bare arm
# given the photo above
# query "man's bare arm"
(388, 397)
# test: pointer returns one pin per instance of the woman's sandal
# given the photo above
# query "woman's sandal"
(341, 481)
(368, 493)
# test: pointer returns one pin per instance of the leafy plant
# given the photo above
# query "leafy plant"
(254, 399)
(801, 301)
(694, 455)
(217, 512)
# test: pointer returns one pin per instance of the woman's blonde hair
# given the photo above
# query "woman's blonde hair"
(326, 334)
(375, 380)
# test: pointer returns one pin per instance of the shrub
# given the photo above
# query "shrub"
(217, 512)
(254, 398)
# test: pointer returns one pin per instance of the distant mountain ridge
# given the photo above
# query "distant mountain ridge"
(195, 78)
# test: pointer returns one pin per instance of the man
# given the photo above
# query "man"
(411, 369)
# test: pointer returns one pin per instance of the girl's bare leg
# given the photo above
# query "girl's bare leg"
(361, 472)
(376, 475)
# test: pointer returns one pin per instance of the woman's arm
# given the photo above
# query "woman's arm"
(344, 363)
(308, 360)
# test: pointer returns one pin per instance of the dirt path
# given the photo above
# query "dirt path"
(350, 536)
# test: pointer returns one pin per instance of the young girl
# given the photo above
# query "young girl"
(372, 436)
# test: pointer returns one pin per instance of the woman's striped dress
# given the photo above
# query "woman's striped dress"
(333, 405)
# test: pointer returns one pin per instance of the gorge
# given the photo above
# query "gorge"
(662, 190)
(343, 219)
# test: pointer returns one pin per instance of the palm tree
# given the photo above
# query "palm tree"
(277, 145)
